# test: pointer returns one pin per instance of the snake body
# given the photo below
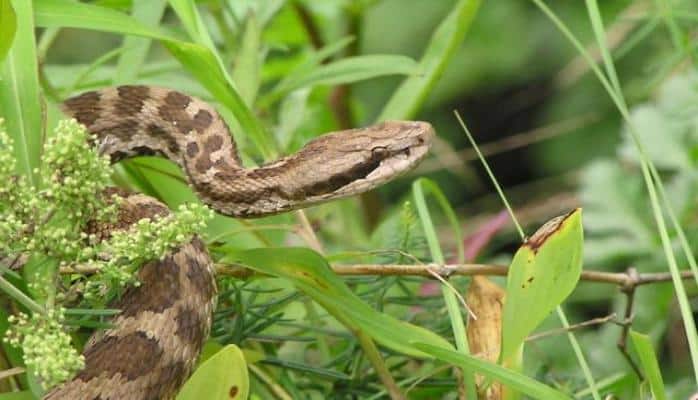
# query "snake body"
(158, 334)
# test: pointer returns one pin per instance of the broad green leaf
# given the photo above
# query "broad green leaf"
(648, 360)
(412, 93)
(349, 70)
(222, 376)
(311, 274)
(512, 379)
(542, 274)
(20, 100)
(8, 26)
(247, 62)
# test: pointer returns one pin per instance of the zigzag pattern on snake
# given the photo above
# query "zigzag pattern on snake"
(159, 332)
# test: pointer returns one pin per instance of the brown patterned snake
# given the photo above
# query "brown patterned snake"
(157, 337)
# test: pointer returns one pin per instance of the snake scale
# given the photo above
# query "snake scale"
(157, 336)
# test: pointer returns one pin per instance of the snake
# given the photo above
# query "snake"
(153, 343)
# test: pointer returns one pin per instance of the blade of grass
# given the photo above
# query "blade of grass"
(136, 48)
(8, 27)
(20, 99)
(650, 177)
(412, 93)
(247, 61)
(648, 360)
(450, 298)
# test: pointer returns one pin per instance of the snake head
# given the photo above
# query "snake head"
(353, 161)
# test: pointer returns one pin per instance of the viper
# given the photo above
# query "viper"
(155, 340)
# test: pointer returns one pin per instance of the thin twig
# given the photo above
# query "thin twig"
(591, 322)
(627, 322)
(616, 278)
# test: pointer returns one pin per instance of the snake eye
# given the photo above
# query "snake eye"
(379, 152)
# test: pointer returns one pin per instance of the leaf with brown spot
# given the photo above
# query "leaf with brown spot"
(223, 376)
(544, 271)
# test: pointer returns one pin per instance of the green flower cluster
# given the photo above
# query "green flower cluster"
(47, 349)
(45, 222)
(48, 219)
(146, 240)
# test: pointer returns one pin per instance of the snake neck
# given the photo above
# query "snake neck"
(130, 121)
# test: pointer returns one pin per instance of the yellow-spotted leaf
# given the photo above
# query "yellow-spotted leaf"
(544, 272)
(223, 376)
(312, 275)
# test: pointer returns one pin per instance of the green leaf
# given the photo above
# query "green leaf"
(512, 379)
(311, 274)
(23, 395)
(648, 360)
(542, 274)
(349, 70)
(67, 13)
(189, 15)
(223, 376)
(8, 26)
(135, 49)
(20, 100)
(412, 93)
(247, 63)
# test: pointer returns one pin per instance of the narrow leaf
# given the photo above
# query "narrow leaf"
(412, 93)
(247, 63)
(512, 379)
(349, 70)
(20, 100)
(8, 26)
(311, 274)
(648, 360)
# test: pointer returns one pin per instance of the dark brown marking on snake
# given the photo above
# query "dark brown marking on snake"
(202, 283)
(123, 130)
(177, 100)
(131, 99)
(145, 151)
(189, 327)
(337, 181)
(169, 380)
(158, 132)
(203, 162)
(192, 149)
(213, 143)
(85, 108)
(159, 290)
(174, 112)
(132, 356)
(233, 392)
(202, 120)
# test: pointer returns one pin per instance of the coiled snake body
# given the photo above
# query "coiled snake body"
(158, 335)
